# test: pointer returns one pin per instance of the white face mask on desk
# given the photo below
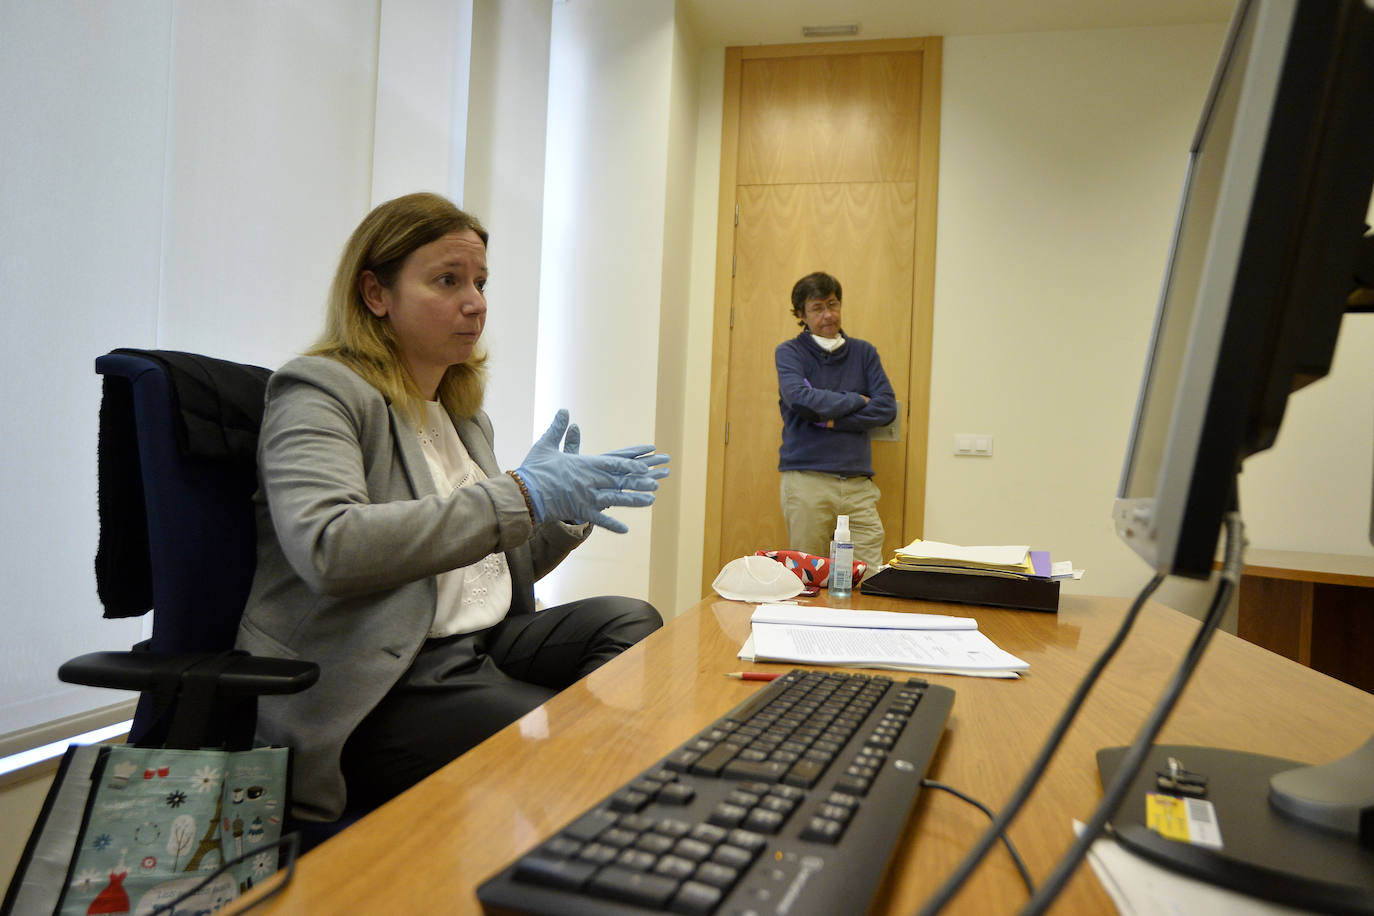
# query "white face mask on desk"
(757, 579)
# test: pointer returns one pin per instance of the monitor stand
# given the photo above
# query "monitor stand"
(1265, 853)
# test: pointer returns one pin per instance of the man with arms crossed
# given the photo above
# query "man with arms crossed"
(831, 390)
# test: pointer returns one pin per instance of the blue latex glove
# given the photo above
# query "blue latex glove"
(564, 484)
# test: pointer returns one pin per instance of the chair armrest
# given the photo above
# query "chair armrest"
(204, 699)
(241, 674)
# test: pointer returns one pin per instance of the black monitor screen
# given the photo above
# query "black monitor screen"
(1262, 262)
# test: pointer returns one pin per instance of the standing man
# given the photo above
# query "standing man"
(831, 390)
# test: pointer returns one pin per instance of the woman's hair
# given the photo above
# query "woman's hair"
(356, 337)
(816, 285)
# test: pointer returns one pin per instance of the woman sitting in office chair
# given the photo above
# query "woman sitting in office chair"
(393, 551)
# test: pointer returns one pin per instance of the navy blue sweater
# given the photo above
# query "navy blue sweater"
(815, 386)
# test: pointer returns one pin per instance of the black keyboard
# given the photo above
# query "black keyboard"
(790, 803)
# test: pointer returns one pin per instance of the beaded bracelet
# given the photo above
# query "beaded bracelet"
(524, 491)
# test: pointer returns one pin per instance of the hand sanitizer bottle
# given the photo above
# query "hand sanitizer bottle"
(841, 560)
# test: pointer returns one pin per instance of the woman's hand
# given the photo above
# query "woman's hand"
(566, 485)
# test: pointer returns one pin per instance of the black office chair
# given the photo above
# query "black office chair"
(177, 537)
(177, 472)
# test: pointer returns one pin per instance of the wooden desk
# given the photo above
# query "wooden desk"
(1315, 608)
(427, 850)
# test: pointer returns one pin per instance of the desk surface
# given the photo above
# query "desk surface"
(427, 850)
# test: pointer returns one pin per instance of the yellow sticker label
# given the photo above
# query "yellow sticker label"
(1166, 816)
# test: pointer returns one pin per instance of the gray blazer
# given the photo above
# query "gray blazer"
(351, 534)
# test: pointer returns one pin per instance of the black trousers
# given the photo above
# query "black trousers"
(463, 689)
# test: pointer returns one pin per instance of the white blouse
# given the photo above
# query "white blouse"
(472, 597)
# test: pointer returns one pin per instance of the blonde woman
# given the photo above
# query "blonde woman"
(393, 550)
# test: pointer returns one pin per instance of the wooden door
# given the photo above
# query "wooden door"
(827, 164)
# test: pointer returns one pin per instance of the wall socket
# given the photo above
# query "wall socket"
(979, 444)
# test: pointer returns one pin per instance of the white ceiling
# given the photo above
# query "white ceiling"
(751, 22)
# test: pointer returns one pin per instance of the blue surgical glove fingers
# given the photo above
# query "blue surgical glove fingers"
(630, 451)
(629, 499)
(608, 498)
(644, 454)
(567, 485)
(554, 434)
(602, 520)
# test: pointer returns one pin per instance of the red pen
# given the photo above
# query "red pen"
(753, 676)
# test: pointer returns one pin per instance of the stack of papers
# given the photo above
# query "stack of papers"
(1016, 562)
(890, 640)
(937, 556)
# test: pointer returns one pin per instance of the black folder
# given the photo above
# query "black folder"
(1020, 593)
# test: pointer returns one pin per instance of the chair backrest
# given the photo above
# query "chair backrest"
(202, 544)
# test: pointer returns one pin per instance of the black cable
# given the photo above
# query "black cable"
(292, 842)
(1135, 755)
(1006, 840)
(998, 827)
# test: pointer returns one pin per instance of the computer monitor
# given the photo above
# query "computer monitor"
(1269, 238)
(1271, 222)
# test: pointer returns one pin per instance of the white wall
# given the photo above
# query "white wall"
(83, 136)
(177, 176)
(1061, 164)
(1311, 491)
(1062, 159)
(506, 138)
(424, 50)
(603, 248)
(268, 168)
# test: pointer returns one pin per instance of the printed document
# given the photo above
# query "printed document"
(958, 649)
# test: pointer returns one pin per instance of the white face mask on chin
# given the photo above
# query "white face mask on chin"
(829, 344)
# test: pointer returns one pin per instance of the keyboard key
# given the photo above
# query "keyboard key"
(843, 799)
(777, 804)
(696, 899)
(716, 875)
(693, 850)
(746, 839)
(551, 872)
(770, 770)
(618, 837)
(764, 821)
(732, 857)
(637, 859)
(820, 830)
(562, 847)
(676, 793)
(727, 815)
(655, 843)
(628, 800)
(590, 825)
(804, 773)
(637, 823)
(709, 834)
(673, 827)
(711, 762)
(834, 812)
(681, 761)
(675, 867)
(598, 853)
(632, 886)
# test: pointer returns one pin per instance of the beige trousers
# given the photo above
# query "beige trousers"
(811, 501)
